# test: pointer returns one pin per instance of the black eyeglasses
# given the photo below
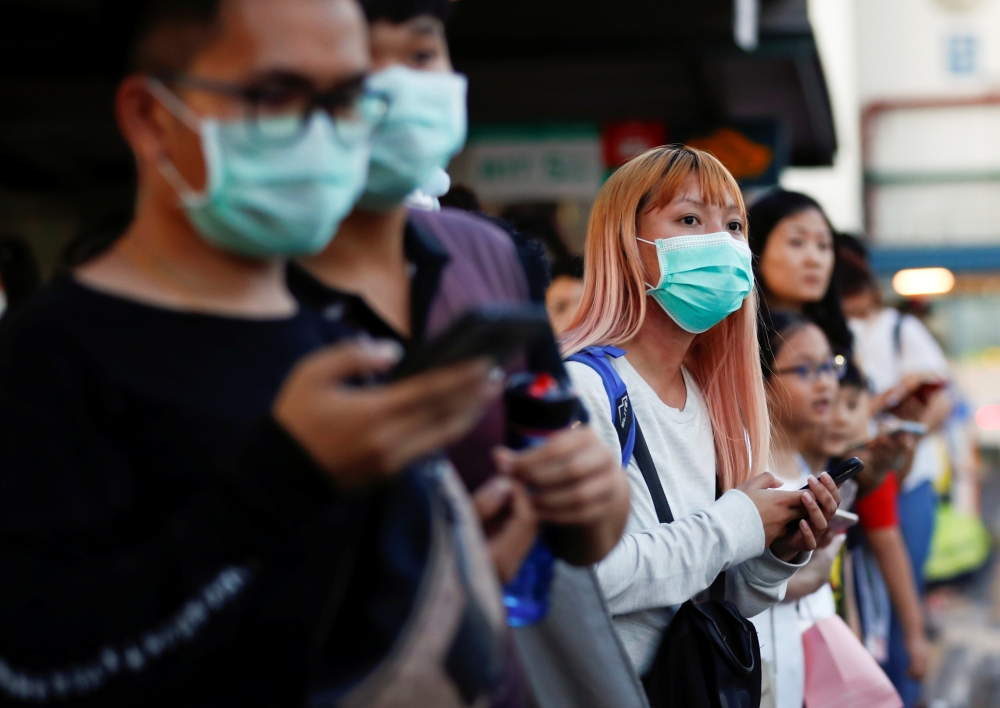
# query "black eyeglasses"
(279, 108)
(833, 368)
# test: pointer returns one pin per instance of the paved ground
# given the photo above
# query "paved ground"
(966, 618)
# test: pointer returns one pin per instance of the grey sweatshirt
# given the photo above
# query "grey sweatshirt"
(656, 567)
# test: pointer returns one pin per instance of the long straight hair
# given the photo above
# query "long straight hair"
(723, 361)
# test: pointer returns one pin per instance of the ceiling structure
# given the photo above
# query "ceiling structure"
(527, 60)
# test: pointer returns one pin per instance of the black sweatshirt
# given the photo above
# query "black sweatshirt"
(162, 541)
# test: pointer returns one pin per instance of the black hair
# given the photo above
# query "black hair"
(461, 197)
(853, 376)
(827, 314)
(403, 10)
(19, 270)
(853, 274)
(166, 34)
(571, 267)
(774, 328)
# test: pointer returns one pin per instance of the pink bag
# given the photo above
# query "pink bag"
(841, 672)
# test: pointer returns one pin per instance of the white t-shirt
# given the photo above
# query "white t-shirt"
(919, 352)
(657, 566)
(780, 628)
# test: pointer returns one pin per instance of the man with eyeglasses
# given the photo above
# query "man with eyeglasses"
(182, 521)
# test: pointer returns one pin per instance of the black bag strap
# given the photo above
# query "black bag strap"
(640, 453)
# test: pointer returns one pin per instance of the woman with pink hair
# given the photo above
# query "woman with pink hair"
(670, 226)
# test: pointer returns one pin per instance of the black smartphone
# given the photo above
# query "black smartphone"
(844, 471)
(497, 332)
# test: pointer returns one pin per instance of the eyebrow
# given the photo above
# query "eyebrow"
(282, 76)
(425, 26)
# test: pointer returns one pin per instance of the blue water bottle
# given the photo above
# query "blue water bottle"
(537, 406)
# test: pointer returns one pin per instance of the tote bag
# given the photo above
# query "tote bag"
(841, 672)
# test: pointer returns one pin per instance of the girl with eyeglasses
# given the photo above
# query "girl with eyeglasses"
(801, 378)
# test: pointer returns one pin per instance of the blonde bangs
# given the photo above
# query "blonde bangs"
(718, 187)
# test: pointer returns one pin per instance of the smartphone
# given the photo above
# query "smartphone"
(844, 471)
(842, 520)
(897, 427)
(924, 392)
(496, 332)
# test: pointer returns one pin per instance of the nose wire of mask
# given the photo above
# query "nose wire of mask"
(703, 279)
(267, 200)
(424, 127)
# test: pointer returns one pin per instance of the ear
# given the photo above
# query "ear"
(141, 120)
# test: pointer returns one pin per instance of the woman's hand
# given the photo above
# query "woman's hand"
(575, 481)
(360, 435)
(509, 522)
(820, 502)
(777, 509)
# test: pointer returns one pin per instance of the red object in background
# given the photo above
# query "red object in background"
(880, 509)
(623, 140)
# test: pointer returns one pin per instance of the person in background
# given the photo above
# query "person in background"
(563, 295)
(20, 276)
(794, 260)
(900, 356)
(683, 340)
(199, 505)
(801, 379)
(848, 434)
(405, 274)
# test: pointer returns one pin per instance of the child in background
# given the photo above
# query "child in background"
(563, 296)
(801, 381)
(849, 434)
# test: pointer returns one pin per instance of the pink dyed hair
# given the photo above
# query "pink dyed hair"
(724, 361)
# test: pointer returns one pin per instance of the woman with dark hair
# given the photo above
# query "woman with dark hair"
(794, 259)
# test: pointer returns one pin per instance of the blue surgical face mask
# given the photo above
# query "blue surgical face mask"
(703, 279)
(266, 199)
(424, 127)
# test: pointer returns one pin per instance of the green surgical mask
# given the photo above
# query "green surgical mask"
(424, 127)
(703, 279)
(264, 199)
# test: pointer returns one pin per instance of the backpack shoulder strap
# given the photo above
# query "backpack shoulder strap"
(652, 479)
(622, 418)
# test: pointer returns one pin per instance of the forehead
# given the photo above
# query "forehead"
(386, 34)
(320, 39)
(806, 220)
(807, 340)
(696, 190)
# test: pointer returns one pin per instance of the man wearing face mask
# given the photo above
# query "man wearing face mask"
(405, 274)
(182, 521)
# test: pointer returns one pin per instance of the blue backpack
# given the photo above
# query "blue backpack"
(623, 417)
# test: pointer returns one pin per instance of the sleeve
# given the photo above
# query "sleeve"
(920, 351)
(760, 582)
(96, 604)
(659, 565)
(880, 509)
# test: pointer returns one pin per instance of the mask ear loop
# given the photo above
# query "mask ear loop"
(651, 243)
(180, 110)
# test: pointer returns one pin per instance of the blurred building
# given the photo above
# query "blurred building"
(929, 90)
(562, 91)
